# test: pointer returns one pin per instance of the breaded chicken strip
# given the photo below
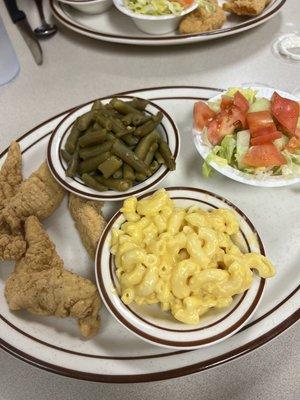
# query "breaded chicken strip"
(88, 221)
(42, 286)
(12, 246)
(207, 17)
(38, 195)
(246, 7)
(10, 174)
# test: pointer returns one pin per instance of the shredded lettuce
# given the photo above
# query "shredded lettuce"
(154, 7)
(261, 104)
(293, 164)
(281, 142)
(248, 93)
(228, 146)
(242, 146)
(212, 157)
(208, 6)
(214, 105)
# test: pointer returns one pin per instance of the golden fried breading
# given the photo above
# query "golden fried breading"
(88, 221)
(207, 17)
(246, 7)
(12, 246)
(42, 286)
(38, 195)
(10, 174)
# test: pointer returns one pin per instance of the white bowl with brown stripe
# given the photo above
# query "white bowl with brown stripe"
(167, 129)
(152, 324)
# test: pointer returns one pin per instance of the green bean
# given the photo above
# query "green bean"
(123, 108)
(104, 122)
(72, 139)
(93, 151)
(150, 154)
(73, 164)
(91, 164)
(130, 117)
(145, 143)
(128, 172)
(110, 166)
(149, 126)
(140, 177)
(97, 105)
(93, 183)
(139, 104)
(118, 174)
(167, 155)
(65, 155)
(154, 166)
(92, 137)
(142, 120)
(118, 127)
(120, 185)
(85, 120)
(159, 157)
(128, 156)
(130, 140)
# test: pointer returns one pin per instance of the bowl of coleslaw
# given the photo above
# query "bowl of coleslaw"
(156, 17)
(251, 135)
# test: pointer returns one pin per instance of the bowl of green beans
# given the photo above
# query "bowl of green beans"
(113, 148)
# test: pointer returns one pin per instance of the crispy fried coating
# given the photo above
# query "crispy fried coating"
(42, 286)
(10, 174)
(207, 17)
(246, 7)
(38, 195)
(88, 221)
(12, 246)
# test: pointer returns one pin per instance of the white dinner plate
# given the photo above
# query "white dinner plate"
(115, 355)
(113, 26)
(204, 148)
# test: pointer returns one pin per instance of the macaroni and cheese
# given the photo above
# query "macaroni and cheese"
(183, 259)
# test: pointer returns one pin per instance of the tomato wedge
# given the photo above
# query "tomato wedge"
(226, 102)
(202, 115)
(293, 145)
(184, 3)
(286, 112)
(264, 131)
(260, 120)
(267, 138)
(265, 155)
(241, 102)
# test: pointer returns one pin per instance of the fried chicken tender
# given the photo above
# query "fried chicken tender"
(39, 195)
(246, 7)
(88, 221)
(207, 17)
(42, 286)
(12, 246)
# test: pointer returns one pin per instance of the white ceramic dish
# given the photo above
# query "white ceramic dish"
(115, 354)
(89, 6)
(152, 324)
(116, 27)
(57, 165)
(154, 25)
(205, 148)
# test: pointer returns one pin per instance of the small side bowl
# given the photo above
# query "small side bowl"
(154, 24)
(89, 6)
(57, 165)
(204, 148)
(152, 324)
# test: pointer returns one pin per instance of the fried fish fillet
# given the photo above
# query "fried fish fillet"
(246, 7)
(12, 246)
(207, 17)
(39, 195)
(42, 286)
(88, 221)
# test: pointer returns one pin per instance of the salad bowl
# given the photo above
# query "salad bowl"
(262, 177)
(89, 6)
(154, 24)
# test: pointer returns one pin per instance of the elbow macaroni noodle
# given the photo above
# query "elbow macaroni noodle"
(183, 259)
